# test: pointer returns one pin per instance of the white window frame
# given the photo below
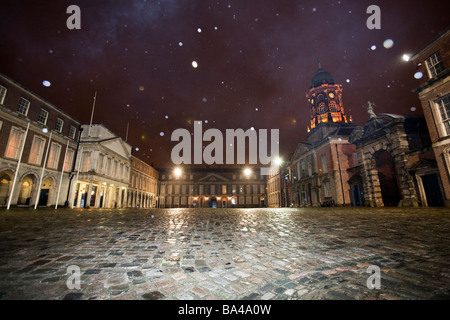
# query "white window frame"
(431, 65)
(72, 132)
(44, 122)
(23, 103)
(443, 130)
(59, 120)
(3, 91)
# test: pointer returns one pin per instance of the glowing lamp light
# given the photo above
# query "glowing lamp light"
(177, 172)
(247, 172)
(406, 57)
(278, 161)
(46, 83)
(195, 64)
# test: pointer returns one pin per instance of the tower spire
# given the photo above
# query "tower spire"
(319, 64)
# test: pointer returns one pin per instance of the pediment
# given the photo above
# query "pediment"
(213, 177)
(117, 146)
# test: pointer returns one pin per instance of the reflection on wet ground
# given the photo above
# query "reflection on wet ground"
(281, 253)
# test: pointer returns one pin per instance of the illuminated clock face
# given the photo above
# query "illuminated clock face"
(331, 95)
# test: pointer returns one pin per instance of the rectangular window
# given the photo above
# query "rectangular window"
(43, 116)
(59, 125)
(69, 160)
(177, 189)
(85, 161)
(224, 189)
(213, 189)
(324, 163)
(100, 163)
(72, 132)
(444, 110)
(2, 94)
(435, 64)
(327, 189)
(37, 149)
(23, 106)
(53, 156)
(14, 143)
(241, 188)
(183, 189)
(201, 189)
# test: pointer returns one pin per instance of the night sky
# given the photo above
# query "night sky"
(255, 58)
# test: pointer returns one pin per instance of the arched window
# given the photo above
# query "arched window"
(333, 106)
(322, 108)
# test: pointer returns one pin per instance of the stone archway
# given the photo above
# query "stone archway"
(6, 178)
(387, 177)
(46, 193)
(27, 190)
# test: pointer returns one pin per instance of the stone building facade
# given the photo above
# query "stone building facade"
(102, 169)
(318, 169)
(432, 71)
(396, 160)
(143, 190)
(212, 187)
(37, 148)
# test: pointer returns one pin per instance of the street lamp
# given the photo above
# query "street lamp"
(177, 172)
(247, 172)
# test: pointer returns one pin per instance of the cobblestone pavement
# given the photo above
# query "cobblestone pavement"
(201, 254)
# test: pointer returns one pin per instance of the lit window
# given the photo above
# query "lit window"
(14, 143)
(322, 108)
(85, 162)
(435, 64)
(2, 94)
(333, 106)
(53, 156)
(43, 115)
(444, 110)
(59, 125)
(69, 160)
(36, 151)
(23, 107)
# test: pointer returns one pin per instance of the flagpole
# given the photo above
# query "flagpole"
(62, 174)
(92, 114)
(78, 171)
(126, 137)
(18, 166)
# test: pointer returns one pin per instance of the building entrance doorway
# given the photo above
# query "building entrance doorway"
(387, 176)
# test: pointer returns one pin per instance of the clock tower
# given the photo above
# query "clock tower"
(325, 101)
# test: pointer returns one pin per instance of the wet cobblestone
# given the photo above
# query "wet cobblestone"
(247, 254)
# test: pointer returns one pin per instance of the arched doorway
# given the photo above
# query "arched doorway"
(5, 184)
(213, 202)
(46, 190)
(356, 190)
(387, 176)
(26, 190)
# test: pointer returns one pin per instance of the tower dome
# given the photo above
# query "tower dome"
(321, 77)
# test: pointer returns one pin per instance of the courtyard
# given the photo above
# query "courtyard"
(218, 254)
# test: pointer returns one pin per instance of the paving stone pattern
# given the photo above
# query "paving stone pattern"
(202, 254)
